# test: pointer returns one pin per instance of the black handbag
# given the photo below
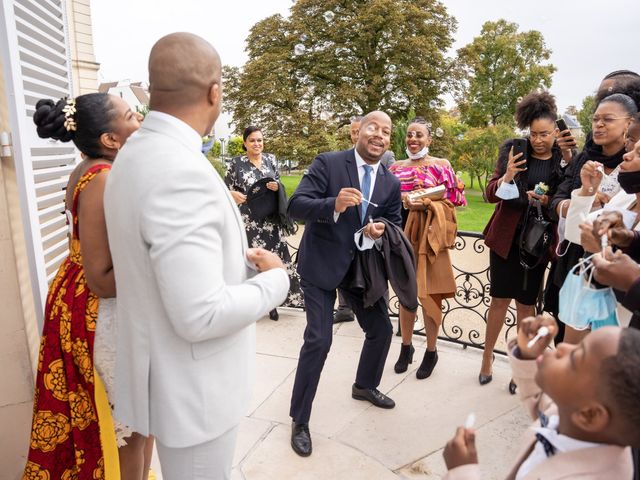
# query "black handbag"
(536, 237)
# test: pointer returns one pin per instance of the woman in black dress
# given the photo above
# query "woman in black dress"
(242, 173)
(509, 279)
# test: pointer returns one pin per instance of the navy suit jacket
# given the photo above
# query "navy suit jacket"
(327, 247)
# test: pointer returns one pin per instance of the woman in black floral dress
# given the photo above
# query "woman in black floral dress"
(242, 173)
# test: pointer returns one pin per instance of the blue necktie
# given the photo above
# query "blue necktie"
(366, 190)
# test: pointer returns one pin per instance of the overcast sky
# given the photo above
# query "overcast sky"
(588, 38)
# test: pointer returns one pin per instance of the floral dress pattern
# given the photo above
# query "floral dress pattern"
(65, 434)
(241, 175)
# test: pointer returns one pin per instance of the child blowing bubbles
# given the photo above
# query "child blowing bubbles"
(586, 398)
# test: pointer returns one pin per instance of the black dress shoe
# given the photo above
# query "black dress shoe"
(513, 388)
(343, 315)
(372, 395)
(273, 314)
(301, 439)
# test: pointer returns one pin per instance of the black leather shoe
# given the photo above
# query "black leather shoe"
(405, 358)
(428, 364)
(301, 439)
(343, 315)
(372, 395)
(273, 314)
(513, 388)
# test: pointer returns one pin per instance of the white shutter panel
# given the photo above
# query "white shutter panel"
(34, 41)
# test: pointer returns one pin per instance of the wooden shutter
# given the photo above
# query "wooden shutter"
(35, 57)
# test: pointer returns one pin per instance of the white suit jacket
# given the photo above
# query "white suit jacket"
(186, 306)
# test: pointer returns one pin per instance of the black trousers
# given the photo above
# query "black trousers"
(317, 342)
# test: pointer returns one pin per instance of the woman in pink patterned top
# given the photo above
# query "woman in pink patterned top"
(417, 172)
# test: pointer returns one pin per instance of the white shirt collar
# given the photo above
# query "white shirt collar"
(360, 162)
(192, 138)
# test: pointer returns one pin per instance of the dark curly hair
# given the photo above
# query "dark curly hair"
(534, 106)
(625, 101)
(626, 85)
(94, 115)
(421, 121)
(620, 384)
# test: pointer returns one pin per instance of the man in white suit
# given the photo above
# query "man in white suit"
(187, 302)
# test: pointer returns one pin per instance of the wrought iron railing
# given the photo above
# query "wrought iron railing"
(464, 315)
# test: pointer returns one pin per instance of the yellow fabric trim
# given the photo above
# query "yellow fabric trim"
(107, 431)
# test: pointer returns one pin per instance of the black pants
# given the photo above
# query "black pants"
(317, 343)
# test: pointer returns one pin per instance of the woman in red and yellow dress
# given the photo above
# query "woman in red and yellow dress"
(73, 435)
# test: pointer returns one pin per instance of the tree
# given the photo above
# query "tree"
(498, 67)
(477, 152)
(332, 59)
(586, 112)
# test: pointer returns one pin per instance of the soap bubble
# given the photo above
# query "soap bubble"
(519, 99)
(305, 130)
(460, 136)
(389, 87)
(429, 125)
(304, 37)
(324, 116)
(328, 16)
(433, 104)
(392, 68)
(299, 49)
(439, 132)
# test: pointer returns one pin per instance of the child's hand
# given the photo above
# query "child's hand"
(461, 449)
(529, 329)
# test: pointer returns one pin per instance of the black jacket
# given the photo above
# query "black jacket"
(391, 259)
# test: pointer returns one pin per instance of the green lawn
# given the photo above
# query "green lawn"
(471, 218)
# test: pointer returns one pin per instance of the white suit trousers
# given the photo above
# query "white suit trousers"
(206, 461)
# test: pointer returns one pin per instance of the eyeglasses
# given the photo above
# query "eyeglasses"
(541, 135)
(606, 120)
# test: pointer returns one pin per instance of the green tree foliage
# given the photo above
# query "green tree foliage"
(233, 147)
(477, 152)
(586, 112)
(497, 68)
(331, 59)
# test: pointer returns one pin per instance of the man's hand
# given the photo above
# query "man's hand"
(617, 270)
(348, 197)
(264, 259)
(461, 449)
(374, 230)
(612, 225)
(272, 186)
(238, 197)
(529, 329)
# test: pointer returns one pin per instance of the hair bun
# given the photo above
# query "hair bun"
(49, 119)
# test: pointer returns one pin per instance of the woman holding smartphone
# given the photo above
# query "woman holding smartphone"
(518, 179)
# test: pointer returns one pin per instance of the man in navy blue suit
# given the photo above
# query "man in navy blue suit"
(341, 193)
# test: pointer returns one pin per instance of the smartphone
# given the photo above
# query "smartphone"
(562, 126)
(520, 146)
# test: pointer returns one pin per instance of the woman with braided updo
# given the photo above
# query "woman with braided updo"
(72, 434)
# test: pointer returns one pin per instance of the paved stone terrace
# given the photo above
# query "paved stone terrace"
(354, 440)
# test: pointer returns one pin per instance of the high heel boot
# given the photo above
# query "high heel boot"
(428, 364)
(405, 358)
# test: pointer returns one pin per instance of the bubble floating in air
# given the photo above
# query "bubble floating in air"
(392, 68)
(304, 37)
(519, 99)
(305, 130)
(460, 136)
(429, 125)
(328, 16)
(433, 104)
(299, 49)
(439, 132)
(389, 87)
